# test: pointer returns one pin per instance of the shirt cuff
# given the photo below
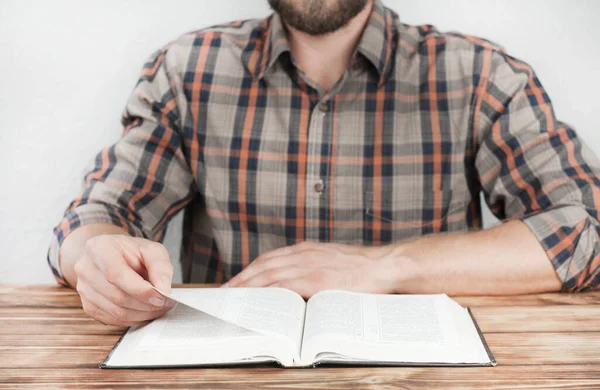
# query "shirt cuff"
(84, 215)
(570, 239)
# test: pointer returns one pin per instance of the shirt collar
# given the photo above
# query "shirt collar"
(275, 45)
(377, 44)
(379, 40)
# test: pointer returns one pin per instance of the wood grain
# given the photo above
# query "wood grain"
(40, 296)
(56, 296)
(590, 298)
(510, 349)
(533, 377)
(54, 326)
(540, 341)
(561, 318)
(53, 340)
(494, 319)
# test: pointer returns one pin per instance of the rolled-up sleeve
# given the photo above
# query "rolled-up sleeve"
(142, 180)
(535, 168)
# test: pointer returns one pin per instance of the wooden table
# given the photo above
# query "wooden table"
(540, 341)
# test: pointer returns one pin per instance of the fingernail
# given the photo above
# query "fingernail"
(225, 285)
(156, 301)
(165, 282)
(170, 304)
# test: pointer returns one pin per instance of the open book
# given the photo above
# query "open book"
(228, 326)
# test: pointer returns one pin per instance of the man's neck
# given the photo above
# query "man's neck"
(324, 58)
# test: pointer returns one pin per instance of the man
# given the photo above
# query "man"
(332, 147)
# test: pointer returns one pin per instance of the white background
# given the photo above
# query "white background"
(67, 68)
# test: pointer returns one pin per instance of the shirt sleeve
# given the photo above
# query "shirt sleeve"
(534, 168)
(142, 180)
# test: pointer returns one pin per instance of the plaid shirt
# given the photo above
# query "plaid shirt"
(223, 124)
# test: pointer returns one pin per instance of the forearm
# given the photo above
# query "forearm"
(507, 259)
(74, 245)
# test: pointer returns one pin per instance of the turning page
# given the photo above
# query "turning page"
(217, 326)
(274, 312)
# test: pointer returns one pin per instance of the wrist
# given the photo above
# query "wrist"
(401, 264)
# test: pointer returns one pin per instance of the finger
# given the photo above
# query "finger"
(132, 255)
(306, 251)
(274, 275)
(256, 268)
(108, 257)
(113, 293)
(118, 315)
(286, 250)
(157, 262)
(302, 286)
(103, 317)
(98, 314)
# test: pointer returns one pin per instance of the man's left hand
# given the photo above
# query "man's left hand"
(309, 267)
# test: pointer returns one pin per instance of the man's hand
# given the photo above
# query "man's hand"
(506, 259)
(115, 275)
(308, 268)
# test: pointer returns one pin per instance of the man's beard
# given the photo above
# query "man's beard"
(317, 17)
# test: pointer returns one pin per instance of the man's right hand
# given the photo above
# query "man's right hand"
(115, 275)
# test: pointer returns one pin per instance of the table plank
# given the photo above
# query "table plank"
(510, 377)
(524, 349)
(53, 340)
(495, 319)
(551, 299)
(42, 312)
(57, 296)
(560, 318)
(510, 349)
(56, 326)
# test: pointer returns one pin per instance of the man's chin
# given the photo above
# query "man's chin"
(317, 18)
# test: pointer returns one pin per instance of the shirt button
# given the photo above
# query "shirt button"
(319, 186)
(324, 107)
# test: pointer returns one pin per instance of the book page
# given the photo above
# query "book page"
(247, 324)
(186, 326)
(274, 312)
(334, 313)
(186, 336)
(407, 319)
(402, 328)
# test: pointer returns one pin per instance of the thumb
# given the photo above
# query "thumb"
(157, 263)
